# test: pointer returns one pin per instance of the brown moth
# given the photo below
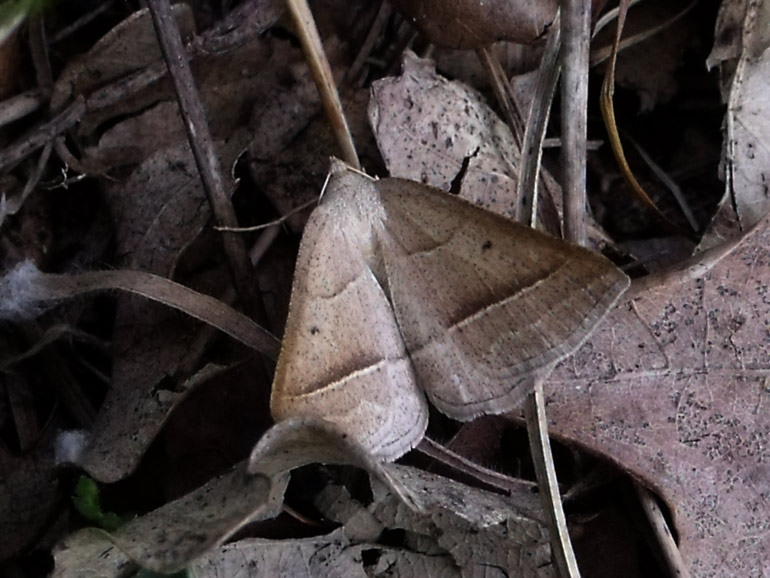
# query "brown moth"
(403, 290)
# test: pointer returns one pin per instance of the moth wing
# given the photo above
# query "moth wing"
(342, 358)
(485, 305)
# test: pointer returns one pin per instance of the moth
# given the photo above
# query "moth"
(403, 292)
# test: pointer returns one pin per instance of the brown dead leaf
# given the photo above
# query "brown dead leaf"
(461, 531)
(158, 212)
(146, 118)
(673, 387)
(329, 556)
(168, 538)
(229, 85)
(434, 131)
(471, 24)
(128, 47)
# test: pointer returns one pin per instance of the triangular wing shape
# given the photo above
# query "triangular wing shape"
(483, 303)
(342, 358)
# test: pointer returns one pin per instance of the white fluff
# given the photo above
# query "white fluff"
(69, 446)
(18, 293)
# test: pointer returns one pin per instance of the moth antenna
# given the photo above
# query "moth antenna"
(278, 221)
(326, 184)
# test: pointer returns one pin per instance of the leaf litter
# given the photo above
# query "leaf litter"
(670, 388)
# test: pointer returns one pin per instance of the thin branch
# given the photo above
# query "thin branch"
(324, 80)
(202, 145)
(576, 35)
(42, 135)
(663, 538)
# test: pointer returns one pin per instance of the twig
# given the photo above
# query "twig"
(375, 30)
(13, 205)
(126, 86)
(665, 541)
(496, 481)
(82, 21)
(202, 145)
(576, 34)
(19, 106)
(274, 222)
(38, 48)
(324, 80)
(42, 134)
(575, 25)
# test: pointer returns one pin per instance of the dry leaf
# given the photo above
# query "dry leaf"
(471, 24)
(461, 530)
(329, 556)
(747, 131)
(443, 133)
(450, 529)
(673, 387)
(168, 538)
(158, 212)
(427, 126)
(128, 47)
(172, 536)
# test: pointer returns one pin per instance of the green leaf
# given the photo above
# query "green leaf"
(86, 502)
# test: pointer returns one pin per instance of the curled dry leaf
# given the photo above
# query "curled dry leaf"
(172, 536)
(456, 531)
(167, 539)
(295, 442)
(747, 128)
(461, 530)
(472, 24)
(673, 387)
